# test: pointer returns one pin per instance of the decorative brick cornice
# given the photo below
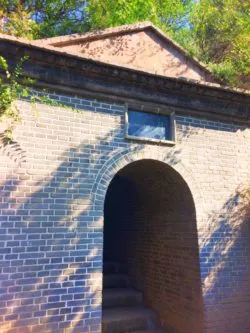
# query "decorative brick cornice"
(56, 69)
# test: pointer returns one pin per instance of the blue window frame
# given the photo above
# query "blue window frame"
(149, 126)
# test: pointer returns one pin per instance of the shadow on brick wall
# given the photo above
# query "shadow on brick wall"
(51, 248)
(51, 245)
(225, 264)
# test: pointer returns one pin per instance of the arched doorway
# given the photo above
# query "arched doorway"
(151, 249)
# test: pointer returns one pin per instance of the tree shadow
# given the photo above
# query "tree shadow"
(225, 262)
(134, 49)
(52, 269)
(52, 260)
(12, 149)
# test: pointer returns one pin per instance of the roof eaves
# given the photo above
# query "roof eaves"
(94, 34)
(183, 51)
(55, 50)
(100, 34)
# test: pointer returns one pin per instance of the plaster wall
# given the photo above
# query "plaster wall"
(140, 50)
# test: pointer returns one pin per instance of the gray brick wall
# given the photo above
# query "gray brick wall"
(53, 185)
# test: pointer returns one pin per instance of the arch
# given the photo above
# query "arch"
(150, 232)
(122, 159)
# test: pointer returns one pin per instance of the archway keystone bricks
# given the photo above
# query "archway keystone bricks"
(117, 162)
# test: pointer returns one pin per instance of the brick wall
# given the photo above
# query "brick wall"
(53, 185)
(151, 223)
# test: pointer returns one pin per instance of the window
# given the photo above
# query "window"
(150, 126)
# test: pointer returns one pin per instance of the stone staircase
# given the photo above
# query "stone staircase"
(123, 308)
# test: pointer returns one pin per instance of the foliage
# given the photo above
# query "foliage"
(224, 72)
(10, 89)
(45, 18)
(42, 18)
(14, 85)
(221, 31)
(18, 23)
(168, 15)
(215, 31)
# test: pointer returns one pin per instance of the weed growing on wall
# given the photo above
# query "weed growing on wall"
(10, 90)
(14, 85)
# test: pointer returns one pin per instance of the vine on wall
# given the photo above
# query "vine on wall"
(10, 90)
(14, 85)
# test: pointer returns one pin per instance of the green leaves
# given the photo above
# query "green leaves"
(10, 90)
(221, 31)
(42, 18)
(167, 14)
(16, 20)
(45, 18)
(215, 31)
(14, 85)
(3, 64)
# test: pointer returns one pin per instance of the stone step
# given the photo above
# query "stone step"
(115, 281)
(128, 319)
(156, 330)
(115, 297)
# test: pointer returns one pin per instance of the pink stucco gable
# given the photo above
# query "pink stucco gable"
(140, 46)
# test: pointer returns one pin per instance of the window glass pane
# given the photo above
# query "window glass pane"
(149, 125)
